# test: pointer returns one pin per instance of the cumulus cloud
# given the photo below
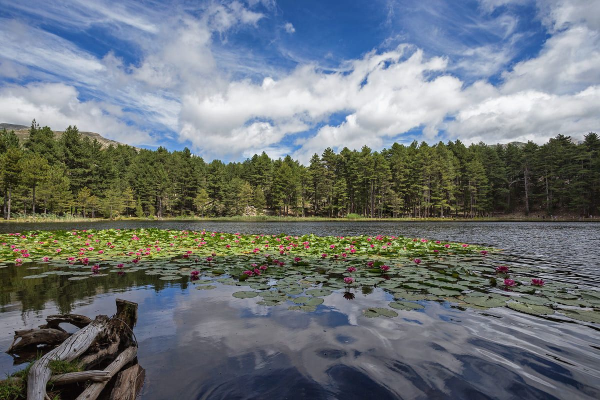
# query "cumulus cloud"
(183, 82)
(57, 105)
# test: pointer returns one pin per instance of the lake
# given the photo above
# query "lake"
(207, 344)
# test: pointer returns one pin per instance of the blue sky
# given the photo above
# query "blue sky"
(232, 78)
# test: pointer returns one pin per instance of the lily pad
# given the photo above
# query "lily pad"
(530, 308)
(379, 312)
(244, 294)
(406, 305)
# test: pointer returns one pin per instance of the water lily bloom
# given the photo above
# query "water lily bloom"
(384, 268)
(120, 265)
(503, 269)
(195, 273)
(348, 280)
(135, 260)
(249, 273)
(509, 282)
(447, 246)
(257, 271)
(436, 251)
(465, 245)
(537, 282)
(45, 259)
(324, 255)
(332, 246)
(18, 261)
(417, 261)
(483, 252)
(351, 269)
(58, 250)
(263, 267)
(297, 259)
(370, 264)
(437, 242)
(95, 268)
(209, 259)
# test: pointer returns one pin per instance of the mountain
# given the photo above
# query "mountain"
(22, 133)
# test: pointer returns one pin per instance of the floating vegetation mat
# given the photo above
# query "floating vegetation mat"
(301, 271)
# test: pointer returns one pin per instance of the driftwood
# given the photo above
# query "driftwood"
(34, 337)
(93, 391)
(74, 377)
(73, 347)
(53, 321)
(99, 340)
(129, 383)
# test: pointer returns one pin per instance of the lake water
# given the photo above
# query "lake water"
(197, 344)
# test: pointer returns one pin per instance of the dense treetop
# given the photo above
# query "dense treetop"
(75, 175)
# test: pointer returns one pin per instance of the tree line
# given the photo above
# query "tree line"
(74, 175)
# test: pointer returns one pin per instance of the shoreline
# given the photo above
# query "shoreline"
(276, 219)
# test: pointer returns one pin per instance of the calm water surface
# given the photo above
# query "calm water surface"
(209, 345)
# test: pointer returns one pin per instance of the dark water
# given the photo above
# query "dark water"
(207, 344)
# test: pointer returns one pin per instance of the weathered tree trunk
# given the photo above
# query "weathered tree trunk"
(53, 321)
(129, 383)
(31, 337)
(93, 391)
(33, 201)
(73, 347)
(74, 377)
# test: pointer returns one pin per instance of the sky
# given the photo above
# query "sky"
(233, 78)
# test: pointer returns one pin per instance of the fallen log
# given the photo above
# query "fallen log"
(70, 349)
(93, 391)
(95, 342)
(74, 377)
(53, 321)
(129, 383)
(34, 337)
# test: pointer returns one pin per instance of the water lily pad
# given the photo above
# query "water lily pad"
(315, 301)
(405, 305)
(78, 278)
(244, 294)
(206, 287)
(532, 309)
(170, 278)
(319, 292)
(35, 276)
(377, 312)
(583, 315)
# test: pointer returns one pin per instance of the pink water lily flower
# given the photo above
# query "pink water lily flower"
(348, 280)
(509, 282)
(95, 268)
(537, 282)
(195, 273)
(351, 269)
(18, 261)
(249, 273)
(384, 268)
(324, 255)
(417, 261)
(503, 269)
(483, 252)
(120, 265)
(297, 259)
(447, 246)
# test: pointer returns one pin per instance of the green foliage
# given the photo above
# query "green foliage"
(73, 175)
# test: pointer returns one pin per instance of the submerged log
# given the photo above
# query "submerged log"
(73, 347)
(93, 391)
(34, 337)
(129, 383)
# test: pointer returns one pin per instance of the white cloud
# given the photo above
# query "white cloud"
(182, 82)
(528, 115)
(568, 62)
(289, 28)
(57, 105)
